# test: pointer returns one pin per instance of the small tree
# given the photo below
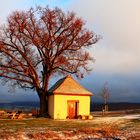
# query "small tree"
(105, 94)
(41, 42)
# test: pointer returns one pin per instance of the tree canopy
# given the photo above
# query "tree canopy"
(41, 42)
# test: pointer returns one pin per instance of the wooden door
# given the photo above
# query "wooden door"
(72, 109)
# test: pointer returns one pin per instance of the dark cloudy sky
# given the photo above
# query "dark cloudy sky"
(117, 54)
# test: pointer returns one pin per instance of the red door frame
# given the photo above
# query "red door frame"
(75, 109)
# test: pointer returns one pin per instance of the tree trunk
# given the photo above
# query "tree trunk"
(43, 105)
(43, 96)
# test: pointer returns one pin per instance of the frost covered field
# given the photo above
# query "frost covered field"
(118, 127)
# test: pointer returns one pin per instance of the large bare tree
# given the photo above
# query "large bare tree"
(41, 42)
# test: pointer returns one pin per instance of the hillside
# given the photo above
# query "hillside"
(115, 106)
(94, 106)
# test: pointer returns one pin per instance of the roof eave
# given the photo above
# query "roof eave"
(72, 94)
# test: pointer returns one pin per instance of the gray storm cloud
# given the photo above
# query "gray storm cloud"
(119, 24)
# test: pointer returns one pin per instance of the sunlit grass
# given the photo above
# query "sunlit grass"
(45, 123)
(47, 128)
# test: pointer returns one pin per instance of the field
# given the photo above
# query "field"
(112, 127)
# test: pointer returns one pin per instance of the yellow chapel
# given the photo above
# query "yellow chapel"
(68, 99)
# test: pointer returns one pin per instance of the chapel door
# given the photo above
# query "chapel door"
(72, 109)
